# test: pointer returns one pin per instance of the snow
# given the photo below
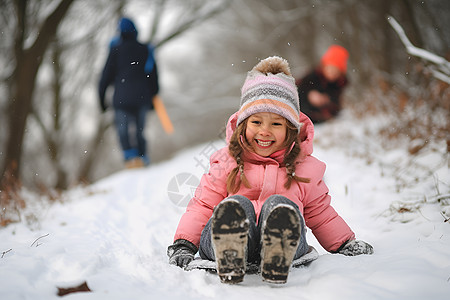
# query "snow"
(114, 233)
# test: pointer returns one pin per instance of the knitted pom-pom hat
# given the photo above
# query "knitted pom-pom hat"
(270, 87)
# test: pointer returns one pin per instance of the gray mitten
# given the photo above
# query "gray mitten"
(354, 247)
(181, 253)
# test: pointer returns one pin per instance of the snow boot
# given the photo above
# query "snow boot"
(134, 163)
(229, 229)
(280, 239)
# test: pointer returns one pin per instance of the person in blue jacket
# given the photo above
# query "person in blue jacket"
(131, 69)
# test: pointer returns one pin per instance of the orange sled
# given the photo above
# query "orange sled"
(162, 114)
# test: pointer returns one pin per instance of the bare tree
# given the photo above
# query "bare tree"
(22, 82)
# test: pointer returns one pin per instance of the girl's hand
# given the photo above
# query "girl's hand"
(181, 253)
(354, 247)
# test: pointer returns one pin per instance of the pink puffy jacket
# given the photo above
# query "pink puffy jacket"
(267, 177)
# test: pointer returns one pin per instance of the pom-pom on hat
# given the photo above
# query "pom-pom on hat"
(270, 87)
(336, 56)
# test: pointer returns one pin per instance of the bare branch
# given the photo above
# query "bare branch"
(194, 20)
(156, 19)
(36, 241)
(442, 64)
(4, 252)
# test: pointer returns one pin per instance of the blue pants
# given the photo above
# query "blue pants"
(206, 250)
(130, 124)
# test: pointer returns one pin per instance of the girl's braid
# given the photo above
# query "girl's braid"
(235, 148)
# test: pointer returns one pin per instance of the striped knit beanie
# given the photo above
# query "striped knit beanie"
(270, 87)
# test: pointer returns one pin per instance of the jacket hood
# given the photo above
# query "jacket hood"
(127, 28)
(306, 133)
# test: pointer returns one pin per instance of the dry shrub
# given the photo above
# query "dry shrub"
(409, 113)
(417, 107)
(11, 202)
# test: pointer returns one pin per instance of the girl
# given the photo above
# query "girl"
(263, 189)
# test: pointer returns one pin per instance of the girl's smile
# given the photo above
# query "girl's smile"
(264, 144)
(266, 133)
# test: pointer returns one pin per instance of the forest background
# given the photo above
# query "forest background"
(53, 135)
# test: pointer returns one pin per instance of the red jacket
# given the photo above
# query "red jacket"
(267, 176)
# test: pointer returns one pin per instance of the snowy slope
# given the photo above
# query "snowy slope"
(114, 234)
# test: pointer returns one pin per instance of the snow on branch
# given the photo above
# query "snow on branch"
(443, 66)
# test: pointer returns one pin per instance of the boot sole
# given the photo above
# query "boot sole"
(229, 237)
(280, 239)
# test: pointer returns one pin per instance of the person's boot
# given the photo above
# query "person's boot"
(229, 229)
(134, 163)
(280, 238)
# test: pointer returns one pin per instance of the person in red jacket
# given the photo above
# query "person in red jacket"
(263, 189)
(320, 90)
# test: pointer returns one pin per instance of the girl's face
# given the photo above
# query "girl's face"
(266, 133)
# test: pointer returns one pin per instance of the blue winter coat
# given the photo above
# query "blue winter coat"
(131, 68)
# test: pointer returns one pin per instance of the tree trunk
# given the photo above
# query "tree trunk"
(23, 81)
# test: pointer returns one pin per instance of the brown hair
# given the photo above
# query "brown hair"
(237, 146)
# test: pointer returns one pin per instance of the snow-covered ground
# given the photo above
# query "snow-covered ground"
(114, 233)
